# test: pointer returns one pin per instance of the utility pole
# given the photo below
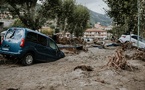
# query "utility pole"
(138, 24)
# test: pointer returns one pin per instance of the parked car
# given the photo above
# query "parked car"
(133, 38)
(29, 46)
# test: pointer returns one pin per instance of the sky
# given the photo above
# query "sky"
(94, 5)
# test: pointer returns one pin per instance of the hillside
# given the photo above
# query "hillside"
(96, 17)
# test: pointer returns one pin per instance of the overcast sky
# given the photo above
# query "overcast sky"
(94, 5)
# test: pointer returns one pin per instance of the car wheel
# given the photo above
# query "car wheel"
(27, 59)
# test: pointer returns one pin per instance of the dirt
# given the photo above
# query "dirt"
(66, 73)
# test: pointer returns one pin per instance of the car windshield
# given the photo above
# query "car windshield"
(14, 34)
(140, 38)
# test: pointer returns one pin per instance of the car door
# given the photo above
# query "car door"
(41, 48)
(52, 50)
(34, 44)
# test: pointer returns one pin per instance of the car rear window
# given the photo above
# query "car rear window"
(15, 34)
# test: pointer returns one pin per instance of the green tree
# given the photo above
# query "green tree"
(78, 21)
(73, 18)
(123, 13)
(2, 2)
(18, 23)
(30, 15)
(142, 18)
(64, 13)
(68, 16)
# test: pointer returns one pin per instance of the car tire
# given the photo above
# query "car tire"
(28, 59)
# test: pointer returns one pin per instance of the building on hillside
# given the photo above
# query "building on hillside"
(99, 32)
(66, 35)
(95, 34)
(99, 26)
(109, 28)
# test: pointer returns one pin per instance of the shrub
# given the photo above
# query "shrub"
(46, 30)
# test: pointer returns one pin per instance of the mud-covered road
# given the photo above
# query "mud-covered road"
(60, 75)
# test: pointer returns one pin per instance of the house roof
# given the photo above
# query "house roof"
(95, 30)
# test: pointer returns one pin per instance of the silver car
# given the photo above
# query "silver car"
(134, 39)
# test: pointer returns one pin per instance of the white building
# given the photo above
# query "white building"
(95, 34)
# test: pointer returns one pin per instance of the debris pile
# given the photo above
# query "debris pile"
(84, 68)
(118, 60)
(127, 45)
(139, 52)
(139, 55)
(73, 45)
(70, 50)
(71, 41)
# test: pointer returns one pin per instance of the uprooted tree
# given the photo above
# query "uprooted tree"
(118, 60)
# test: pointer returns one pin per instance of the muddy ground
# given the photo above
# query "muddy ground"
(60, 75)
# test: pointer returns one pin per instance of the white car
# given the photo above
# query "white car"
(133, 38)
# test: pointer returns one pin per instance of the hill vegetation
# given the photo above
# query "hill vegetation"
(103, 19)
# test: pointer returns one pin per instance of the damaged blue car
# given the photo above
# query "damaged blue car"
(29, 46)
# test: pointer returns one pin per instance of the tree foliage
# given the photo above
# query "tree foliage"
(127, 14)
(29, 14)
(142, 18)
(65, 12)
(18, 23)
(69, 16)
(78, 21)
(73, 18)
(2, 2)
(123, 13)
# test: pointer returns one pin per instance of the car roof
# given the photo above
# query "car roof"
(30, 30)
(130, 35)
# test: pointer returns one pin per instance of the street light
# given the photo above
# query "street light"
(138, 24)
